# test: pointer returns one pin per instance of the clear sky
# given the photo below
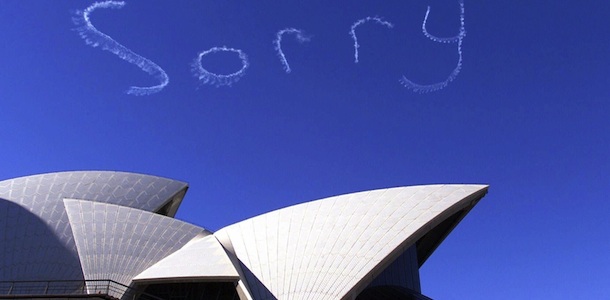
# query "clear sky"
(528, 114)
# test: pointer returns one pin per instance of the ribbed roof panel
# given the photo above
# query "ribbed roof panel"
(117, 242)
(324, 249)
(36, 237)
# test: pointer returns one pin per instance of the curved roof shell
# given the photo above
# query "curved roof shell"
(38, 241)
(139, 191)
(117, 242)
(334, 247)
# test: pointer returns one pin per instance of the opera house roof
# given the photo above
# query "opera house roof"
(91, 226)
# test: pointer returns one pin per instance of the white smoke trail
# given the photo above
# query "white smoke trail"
(95, 38)
(208, 77)
(453, 39)
(301, 38)
(352, 32)
(425, 88)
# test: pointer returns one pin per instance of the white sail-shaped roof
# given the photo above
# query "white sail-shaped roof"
(117, 242)
(332, 248)
(32, 213)
(139, 191)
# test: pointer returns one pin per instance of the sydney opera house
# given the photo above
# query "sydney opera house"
(113, 235)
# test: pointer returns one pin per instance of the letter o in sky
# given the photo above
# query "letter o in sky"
(207, 77)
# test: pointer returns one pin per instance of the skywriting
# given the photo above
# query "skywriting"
(96, 38)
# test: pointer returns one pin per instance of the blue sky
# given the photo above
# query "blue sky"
(528, 114)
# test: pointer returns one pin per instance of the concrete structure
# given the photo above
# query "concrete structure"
(113, 234)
